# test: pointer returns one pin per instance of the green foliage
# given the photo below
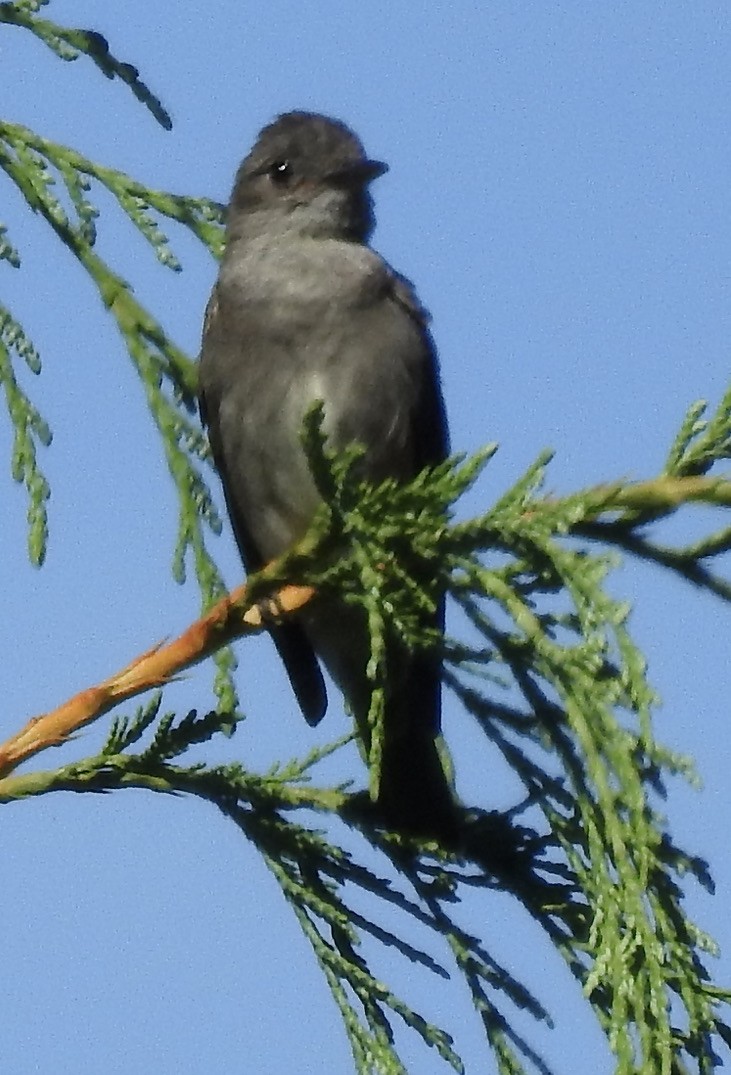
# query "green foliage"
(29, 430)
(69, 44)
(567, 704)
(56, 181)
(36, 166)
(547, 668)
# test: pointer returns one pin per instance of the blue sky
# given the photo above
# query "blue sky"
(559, 194)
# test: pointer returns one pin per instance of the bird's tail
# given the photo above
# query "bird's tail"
(415, 790)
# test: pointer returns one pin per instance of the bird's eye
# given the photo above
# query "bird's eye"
(281, 172)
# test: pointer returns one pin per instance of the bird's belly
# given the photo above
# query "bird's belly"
(274, 489)
(366, 399)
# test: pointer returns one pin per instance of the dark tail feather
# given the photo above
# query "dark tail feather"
(303, 670)
(415, 794)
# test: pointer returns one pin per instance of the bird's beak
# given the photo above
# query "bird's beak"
(358, 173)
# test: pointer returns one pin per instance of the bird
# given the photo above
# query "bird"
(304, 309)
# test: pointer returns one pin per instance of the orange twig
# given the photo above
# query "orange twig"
(157, 666)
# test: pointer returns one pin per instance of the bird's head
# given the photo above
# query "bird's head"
(307, 175)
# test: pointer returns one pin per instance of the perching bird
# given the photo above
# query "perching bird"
(303, 309)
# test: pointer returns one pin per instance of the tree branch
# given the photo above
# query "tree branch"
(227, 620)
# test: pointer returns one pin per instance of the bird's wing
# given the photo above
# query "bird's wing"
(432, 434)
(291, 643)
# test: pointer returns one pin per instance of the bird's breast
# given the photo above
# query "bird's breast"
(300, 322)
(303, 275)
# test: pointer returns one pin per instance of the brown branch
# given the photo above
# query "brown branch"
(154, 668)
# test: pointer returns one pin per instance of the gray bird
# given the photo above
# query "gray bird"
(303, 309)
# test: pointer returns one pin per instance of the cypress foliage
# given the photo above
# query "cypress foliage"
(546, 666)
